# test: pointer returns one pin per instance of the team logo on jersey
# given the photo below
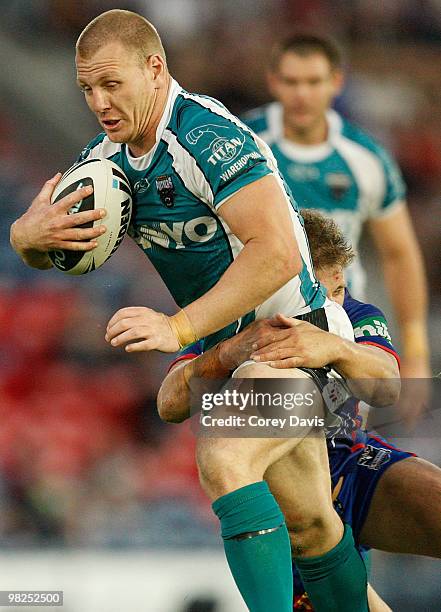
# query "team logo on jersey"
(373, 458)
(222, 143)
(166, 189)
(141, 185)
(338, 183)
(175, 235)
(373, 326)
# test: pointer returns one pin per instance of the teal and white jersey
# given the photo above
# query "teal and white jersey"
(203, 155)
(350, 177)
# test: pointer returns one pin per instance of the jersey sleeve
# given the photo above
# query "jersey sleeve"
(222, 151)
(256, 120)
(189, 352)
(369, 324)
(386, 184)
(394, 189)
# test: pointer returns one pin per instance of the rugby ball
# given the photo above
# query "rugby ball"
(111, 190)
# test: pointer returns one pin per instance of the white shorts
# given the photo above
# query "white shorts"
(338, 320)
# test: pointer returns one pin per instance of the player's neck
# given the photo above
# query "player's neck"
(148, 139)
(309, 136)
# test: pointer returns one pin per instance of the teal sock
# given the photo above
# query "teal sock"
(260, 563)
(337, 580)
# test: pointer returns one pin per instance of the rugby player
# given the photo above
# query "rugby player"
(213, 215)
(334, 166)
(390, 497)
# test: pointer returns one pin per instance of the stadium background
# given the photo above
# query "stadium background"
(96, 495)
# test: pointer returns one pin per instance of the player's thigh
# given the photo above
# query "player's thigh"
(232, 462)
(266, 451)
(302, 476)
(238, 461)
(297, 393)
(251, 369)
(404, 515)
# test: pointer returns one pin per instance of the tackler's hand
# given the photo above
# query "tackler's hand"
(296, 344)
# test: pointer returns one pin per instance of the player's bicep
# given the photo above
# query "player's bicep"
(261, 210)
(394, 187)
(393, 233)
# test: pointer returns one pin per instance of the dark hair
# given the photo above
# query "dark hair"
(307, 44)
(326, 241)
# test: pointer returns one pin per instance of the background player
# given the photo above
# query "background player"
(384, 493)
(335, 167)
(237, 197)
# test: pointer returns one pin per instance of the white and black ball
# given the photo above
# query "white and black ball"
(112, 191)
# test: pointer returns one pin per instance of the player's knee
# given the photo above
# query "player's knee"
(220, 470)
(305, 532)
(303, 538)
(214, 459)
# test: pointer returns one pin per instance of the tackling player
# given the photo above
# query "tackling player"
(334, 166)
(212, 214)
(389, 497)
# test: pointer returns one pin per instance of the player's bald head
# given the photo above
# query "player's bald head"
(132, 30)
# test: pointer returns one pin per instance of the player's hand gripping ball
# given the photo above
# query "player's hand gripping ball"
(111, 190)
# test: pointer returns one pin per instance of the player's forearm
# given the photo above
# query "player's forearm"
(372, 373)
(257, 273)
(31, 257)
(406, 280)
(174, 397)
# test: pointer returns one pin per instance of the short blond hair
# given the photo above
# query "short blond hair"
(327, 243)
(131, 29)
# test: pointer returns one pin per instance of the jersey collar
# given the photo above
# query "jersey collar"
(297, 152)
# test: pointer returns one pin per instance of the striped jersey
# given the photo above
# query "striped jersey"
(350, 177)
(203, 155)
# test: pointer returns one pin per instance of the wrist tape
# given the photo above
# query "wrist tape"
(183, 329)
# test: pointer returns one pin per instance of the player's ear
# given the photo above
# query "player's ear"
(157, 66)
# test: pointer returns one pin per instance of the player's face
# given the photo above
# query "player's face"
(120, 90)
(332, 278)
(305, 86)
